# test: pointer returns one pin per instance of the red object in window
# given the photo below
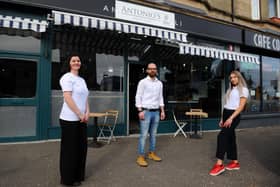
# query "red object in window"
(275, 19)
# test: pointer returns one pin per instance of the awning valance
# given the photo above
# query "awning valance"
(217, 53)
(23, 23)
(61, 18)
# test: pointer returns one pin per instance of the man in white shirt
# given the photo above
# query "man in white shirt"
(149, 102)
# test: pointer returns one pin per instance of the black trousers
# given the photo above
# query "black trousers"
(226, 141)
(73, 151)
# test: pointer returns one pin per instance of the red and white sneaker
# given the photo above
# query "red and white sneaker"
(233, 166)
(217, 170)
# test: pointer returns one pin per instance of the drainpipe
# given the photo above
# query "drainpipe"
(232, 10)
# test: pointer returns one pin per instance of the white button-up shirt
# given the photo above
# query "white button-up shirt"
(149, 93)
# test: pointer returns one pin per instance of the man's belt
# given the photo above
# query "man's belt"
(151, 109)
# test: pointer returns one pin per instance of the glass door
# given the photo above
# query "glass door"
(18, 96)
(136, 73)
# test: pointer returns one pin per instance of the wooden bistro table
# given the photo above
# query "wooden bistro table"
(95, 116)
(196, 115)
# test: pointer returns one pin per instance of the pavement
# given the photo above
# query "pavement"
(186, 162)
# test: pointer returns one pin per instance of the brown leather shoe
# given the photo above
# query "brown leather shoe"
(154, 157)
(141, 161)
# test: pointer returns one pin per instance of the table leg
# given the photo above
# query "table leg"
(196, 135)
(95, 143)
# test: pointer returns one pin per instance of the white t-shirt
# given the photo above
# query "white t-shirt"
(234, 98)
(78, 87)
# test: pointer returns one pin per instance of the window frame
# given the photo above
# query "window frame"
(276, 8)
(255, 9)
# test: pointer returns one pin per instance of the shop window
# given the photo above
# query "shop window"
(193, 82)
(19, 40)
(101, 72)
(17, 78)
(255, 4)
(251, 74)
(271, 84)
(102, 68)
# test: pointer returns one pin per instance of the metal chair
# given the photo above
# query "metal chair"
(108, 125)
(180, 124)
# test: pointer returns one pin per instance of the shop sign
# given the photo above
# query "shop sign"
(262, 41)
(209, 29)
(101, 7)
(142, 14)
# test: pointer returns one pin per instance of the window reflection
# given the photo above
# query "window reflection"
(193, 82)
(101, 72)
(251, 73)
(109, 72)
(17, 78)
(102, 67)
(271, 84)
(272, 8)
(19, 40)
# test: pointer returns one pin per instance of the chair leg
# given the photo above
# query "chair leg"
(111, 137)
(180, 129)
(101, 134)
(183, 132)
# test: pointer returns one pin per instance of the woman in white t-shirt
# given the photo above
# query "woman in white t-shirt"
(235, 101)
(73, 118)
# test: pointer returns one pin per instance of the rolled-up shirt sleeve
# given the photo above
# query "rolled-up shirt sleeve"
(139, 94)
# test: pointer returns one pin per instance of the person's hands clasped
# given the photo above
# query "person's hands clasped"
(83, 117)
(228, 122)
(86, 116)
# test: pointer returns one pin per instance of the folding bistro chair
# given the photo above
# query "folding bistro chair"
(180, 124)
(106, 129)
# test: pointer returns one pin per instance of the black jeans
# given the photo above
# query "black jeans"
(73, 151)
(226, 141)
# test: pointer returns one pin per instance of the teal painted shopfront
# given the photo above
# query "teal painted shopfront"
(193, 66)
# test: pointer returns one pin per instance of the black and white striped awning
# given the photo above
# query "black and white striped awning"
(217, 53)
(61, 18)
(23, 23)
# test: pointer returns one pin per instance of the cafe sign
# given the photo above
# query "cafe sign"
(262, 41)
(146, 15)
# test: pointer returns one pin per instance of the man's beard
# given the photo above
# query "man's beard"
(152, 75)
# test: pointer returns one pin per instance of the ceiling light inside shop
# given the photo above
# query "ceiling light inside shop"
(138, 39)
(111, 70)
